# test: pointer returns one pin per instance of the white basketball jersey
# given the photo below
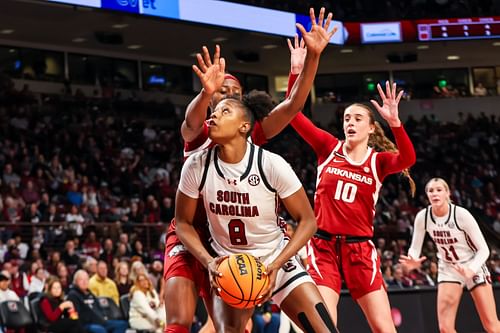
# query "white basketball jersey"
(453, 243)
(241, 200)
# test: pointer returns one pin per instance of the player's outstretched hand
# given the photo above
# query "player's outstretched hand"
(298, 53)
(318, 38)
(390, 101)
(211, 73)
(411, 263)
(467, 273)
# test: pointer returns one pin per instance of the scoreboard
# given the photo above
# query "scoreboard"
(459, 29)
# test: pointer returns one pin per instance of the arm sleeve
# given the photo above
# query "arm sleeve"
(418, 236)
(475, 237)
(49, 313)
(258, 135)
(142, 305)
(281, 175)
(191, 176)
(389, 162)
(291, 81)
(320, 141)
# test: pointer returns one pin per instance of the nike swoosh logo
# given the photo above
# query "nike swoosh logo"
(337, 161)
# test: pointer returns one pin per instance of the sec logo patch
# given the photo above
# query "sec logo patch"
(254, 180)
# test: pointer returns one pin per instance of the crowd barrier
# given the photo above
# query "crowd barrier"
(414, 311)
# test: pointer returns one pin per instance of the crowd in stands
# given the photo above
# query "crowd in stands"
(91, 176)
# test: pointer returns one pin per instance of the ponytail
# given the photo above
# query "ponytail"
(380, 142)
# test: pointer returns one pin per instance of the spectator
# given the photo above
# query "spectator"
(75, 220)
(63, 275)
(90, 266)
(70, 257)
(9, 176)
(30, 193)
(400, 280)
(91, 246)
(74, 196)
(88, 307)
(156, 274)
(18, 280)
(101, 285)
(21, 246)
(6, 294)
(139, 252)
(53, 262)
(61, 315)
(480, 90)
(145, 310)
(107, 253)
(136, 268)
(37, 282)
(166, 210)
(122, 280)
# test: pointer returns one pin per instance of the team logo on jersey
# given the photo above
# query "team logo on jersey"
(232, 181)
(176, 250)
(451, 225)
(476, 279)
(366, 169)
(289, 266)
(254, 180)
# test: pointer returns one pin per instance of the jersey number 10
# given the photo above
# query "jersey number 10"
(345, 191)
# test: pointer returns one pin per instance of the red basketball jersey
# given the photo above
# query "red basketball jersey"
(347, 193)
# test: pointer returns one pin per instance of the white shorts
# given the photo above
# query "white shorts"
(290, 275)
(447, 273)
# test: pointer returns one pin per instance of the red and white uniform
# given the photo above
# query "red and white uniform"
(459, 241)
(241, 201)
(344, 204)
(178, 261)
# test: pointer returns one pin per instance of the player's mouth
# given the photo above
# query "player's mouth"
(350, 132)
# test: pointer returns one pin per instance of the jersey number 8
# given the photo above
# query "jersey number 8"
(237, 232)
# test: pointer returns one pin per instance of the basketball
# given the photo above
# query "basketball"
(242, 280)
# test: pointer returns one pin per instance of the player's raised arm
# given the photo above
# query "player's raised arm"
(315, 41)
(211, 75)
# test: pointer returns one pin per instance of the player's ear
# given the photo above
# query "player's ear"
(245, 127)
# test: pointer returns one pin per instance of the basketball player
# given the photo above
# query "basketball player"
(462, 253)
(182, 272)
(240, 184)
(349, 177)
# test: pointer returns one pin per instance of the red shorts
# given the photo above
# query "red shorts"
(358, 264)
(179, 262)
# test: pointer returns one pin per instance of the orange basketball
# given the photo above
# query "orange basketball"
(242, 280)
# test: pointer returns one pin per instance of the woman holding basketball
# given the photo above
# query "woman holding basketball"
(349, 177)
(183, 274)
(462, 253)
(240, 184)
